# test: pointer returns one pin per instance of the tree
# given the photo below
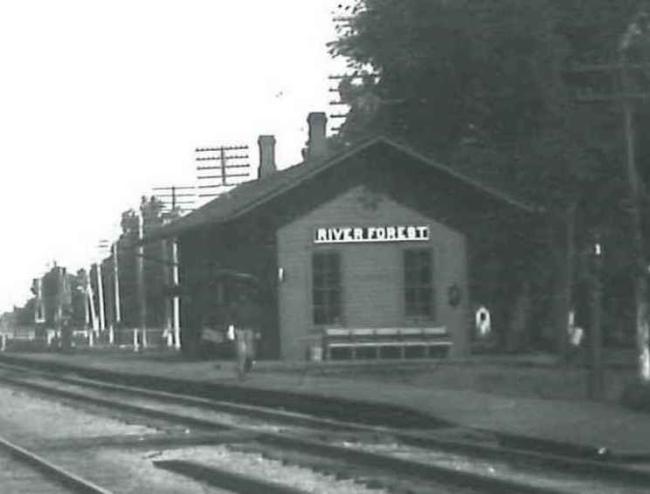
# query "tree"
(488, 86)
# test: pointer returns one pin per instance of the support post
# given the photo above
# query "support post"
(139, 275)
(167, 270)
(596, 367)
(91, 302)
(640, 265)
(116, 285)
(84, 289)
(569, 268)
(176, 305)
(100, 297)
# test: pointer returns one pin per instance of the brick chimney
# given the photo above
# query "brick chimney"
(317, 145)
(267, 156)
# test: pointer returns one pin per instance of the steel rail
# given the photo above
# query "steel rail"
(223, 479)
(372, 414)
(423, 471)
(68, 479)
(597, 468)
(260, 412)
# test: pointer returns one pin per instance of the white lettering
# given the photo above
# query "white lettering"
(349, 234)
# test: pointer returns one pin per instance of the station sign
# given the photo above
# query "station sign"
(362, 234)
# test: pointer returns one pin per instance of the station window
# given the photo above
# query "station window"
(326, 287)
(418, 284)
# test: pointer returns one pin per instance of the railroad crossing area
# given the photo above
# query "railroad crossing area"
(530, 403)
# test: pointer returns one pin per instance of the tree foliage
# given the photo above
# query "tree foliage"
(490, 81)
(491, 87)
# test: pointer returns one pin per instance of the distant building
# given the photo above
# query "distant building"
(376, 236)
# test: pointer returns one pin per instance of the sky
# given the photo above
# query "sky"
(101, 101)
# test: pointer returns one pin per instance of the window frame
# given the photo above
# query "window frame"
(422, 307)
(331, 307)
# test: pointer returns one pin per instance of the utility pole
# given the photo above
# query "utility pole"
(638, 27)
(91, 302)
(357, 90)
(627, 96)
(100, 297)
(116, 284)
(176, 199)
(177, 207)
(139, 274)
(354, 86)
(39, 306)
(103, 248)
(176, 310)
(228, 169)
(58, 271)
(596, 368)
(83, 288)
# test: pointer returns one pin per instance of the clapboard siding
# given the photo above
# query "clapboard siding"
(372, 273)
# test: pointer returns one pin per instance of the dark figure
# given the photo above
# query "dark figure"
(245, 351)
(245, 322)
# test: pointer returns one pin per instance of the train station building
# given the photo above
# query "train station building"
(377, 238)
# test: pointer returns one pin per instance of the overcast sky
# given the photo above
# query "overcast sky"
(101, 101)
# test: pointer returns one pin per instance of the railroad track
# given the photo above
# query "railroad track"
(52, 478)
(303, 441)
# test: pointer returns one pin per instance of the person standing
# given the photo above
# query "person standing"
(243, 330)
(245, 350)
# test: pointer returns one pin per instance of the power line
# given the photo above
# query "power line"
(172, 199)
(222, 176)
(223, 148)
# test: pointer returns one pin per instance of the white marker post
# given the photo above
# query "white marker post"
(176, 305)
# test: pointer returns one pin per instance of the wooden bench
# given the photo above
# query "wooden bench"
(378, 338)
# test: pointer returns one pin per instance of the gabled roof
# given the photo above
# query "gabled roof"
(251, 195)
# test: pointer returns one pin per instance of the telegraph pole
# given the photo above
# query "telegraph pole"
(636, 196)
(103, 248)
(39, 306)
(176, 310)
(357, 90)
(177, 207)
(139, 275)
(91, 302)
(346, 85)
(596, 367)
(627, 95)
(231, 170)
(84, 290)
(116, 285)
(176, 199)
(100, 297)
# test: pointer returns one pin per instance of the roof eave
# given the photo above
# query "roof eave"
(177, 227)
